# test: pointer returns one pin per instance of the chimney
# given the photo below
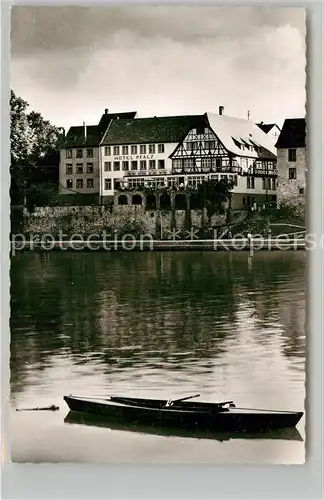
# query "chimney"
(220, 110)
(106, 111)
(85, 130)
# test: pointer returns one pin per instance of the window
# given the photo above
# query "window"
(143, 149)
(69, 169)
(125, 166)
(90, 153)
(107, 151)
(69, 153)
(152, 149)
(79, 183)
(79, 153)
(116, 166)
(89, 183)
(161, 148)
(217, 162)
(210, 145)
(301, 190)
(189, 163)
(161, 164)
(107, 166)
(274, 184)
(266, 183)
(69, 183)
(291, 154)
(134, 183)
(89, 168)
(143, 165)
(116, 150)
(206, 163)
(292, 173)
(173, 182)
(125, 150)
(250, 182)
(79, 168)
(177, 164)
(157, 181)
(152, 164)
(107, 184)
(134, 150)
(134, 165)
(194, 181)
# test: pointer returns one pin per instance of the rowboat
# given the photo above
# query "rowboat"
(89, 420)
(184, 414)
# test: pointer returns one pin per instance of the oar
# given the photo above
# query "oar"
(172, 401)
(50, 408)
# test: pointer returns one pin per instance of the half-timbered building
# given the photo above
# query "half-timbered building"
(231, 148)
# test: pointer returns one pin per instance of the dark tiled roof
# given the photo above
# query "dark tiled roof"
(75, 136)
(152, 130)
(266, 127)
(107, 117)
(293, 134)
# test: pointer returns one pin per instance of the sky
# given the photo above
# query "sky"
(70, 63)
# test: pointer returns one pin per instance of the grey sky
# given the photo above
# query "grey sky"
(70, 63)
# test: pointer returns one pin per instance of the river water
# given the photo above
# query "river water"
(224, 325)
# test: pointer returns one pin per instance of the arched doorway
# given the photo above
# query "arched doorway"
(165, 202)
(136, 199)
(180, 202)
(122, 199)
(151, 202)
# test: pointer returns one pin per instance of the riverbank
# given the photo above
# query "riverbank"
(279, 243)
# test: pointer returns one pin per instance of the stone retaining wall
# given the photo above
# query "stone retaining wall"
(86, 220)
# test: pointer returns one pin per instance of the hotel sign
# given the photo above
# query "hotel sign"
(133, 157)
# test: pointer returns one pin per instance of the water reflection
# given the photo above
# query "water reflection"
(173, 312)
(289, 433)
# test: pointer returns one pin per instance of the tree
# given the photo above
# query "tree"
(31, 138)
(214, 195)
(21, 134)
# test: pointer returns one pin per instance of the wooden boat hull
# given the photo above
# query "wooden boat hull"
(185, 415)
(87, 419)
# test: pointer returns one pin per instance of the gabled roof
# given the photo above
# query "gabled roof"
(107, 117)
(266, 127)
(293, 134)
(235, 131)
(75, 136)
(163, 129)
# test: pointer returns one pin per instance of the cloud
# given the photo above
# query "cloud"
(159, 60)
(63, 28)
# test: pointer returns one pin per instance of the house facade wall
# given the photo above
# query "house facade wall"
(291, 190)
(68, 162)
(108, 160)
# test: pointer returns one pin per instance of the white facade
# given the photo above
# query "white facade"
(131, 163)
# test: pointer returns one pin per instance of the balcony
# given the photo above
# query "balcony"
(225, 169)
(262, 172)
(141, 173)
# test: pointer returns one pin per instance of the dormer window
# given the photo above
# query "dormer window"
(237, 144)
